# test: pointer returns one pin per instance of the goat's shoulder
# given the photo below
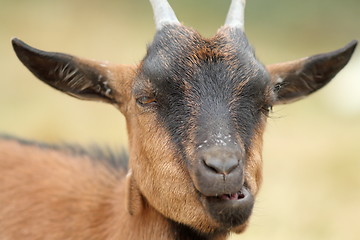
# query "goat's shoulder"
(66, 183)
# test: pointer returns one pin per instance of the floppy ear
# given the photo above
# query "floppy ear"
(297, 79)
(81, 78)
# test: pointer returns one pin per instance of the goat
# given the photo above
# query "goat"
(196, 110)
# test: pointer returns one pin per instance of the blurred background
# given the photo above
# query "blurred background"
(311, 186)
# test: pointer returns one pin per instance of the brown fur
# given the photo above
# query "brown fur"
(44, 190)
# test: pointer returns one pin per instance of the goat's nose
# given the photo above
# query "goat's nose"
(221, 161)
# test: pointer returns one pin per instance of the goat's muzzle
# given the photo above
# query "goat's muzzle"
(219, 178)
(219, 170)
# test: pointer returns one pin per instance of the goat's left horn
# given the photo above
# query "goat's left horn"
(163, 13)
(235, 16)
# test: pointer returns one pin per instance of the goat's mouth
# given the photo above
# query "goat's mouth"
(230, 210)
(232, 196)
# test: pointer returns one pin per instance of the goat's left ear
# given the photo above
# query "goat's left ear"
(297, 79)
(81, 78)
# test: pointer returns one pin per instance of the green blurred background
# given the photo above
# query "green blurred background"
(311, 184)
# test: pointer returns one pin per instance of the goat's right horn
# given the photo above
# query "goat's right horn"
(235, 16)
(163, 13)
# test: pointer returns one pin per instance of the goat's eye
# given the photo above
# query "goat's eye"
(145, 100)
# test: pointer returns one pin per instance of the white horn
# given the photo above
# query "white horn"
(163, 13)
(235, 17)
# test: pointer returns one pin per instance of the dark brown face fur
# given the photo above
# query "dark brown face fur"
(210, 97)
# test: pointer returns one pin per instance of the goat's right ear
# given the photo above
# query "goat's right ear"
(81, 78)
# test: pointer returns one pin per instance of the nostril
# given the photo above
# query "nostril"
(221, 165)
(209, 166)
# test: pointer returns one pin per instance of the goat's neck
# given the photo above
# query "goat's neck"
(148, 224)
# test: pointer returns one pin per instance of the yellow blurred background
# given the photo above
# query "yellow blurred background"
(311, 184)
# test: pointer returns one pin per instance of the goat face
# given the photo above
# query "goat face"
(196, 110)
(207, 100)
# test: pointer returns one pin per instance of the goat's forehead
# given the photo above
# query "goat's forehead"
(179, 54)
